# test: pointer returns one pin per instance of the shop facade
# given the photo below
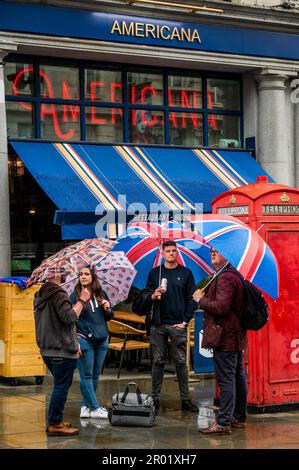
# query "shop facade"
(134, 84)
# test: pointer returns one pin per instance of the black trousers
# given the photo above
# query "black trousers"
(230, 376)
(158, 339)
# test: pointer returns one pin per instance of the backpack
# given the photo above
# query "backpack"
(255, 313)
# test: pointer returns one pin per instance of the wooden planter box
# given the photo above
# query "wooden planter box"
(19, 354)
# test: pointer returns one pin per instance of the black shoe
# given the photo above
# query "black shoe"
(188, 405)
(157, 403)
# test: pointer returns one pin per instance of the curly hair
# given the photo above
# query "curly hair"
(95, 287)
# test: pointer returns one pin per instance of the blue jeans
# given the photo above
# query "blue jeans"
(62, 370)
(90, 365)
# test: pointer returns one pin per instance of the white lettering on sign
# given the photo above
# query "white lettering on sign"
(295, 353)
(236, 210)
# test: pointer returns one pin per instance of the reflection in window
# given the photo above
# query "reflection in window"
(60, 121)
(19, 79)
(145, 88)
(103, 85)
(224, 131)
(184, 92)
(191, 120)
(20, 120)
(223, 94)
(146, 127)
(59, 82)
(185, 129)
(104, 124)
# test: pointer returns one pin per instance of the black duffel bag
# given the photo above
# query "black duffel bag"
(132, 408)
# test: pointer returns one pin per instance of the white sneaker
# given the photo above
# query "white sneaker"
(99, 413)
(85, 412)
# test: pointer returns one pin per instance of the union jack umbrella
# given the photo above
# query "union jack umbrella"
(243, 248)
(142, 244)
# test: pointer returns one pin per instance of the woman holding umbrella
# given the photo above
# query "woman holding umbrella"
(93, 339)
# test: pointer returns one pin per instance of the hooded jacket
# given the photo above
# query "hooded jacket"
(55, 322)
(92, 322)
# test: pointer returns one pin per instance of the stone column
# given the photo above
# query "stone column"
(5, 255)
(272, 143)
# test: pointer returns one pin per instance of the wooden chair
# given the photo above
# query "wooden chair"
(121, 340)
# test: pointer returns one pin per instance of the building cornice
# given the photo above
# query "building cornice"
(84, 49)
(251, 16)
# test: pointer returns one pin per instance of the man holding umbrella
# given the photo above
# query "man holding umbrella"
(222, 305)
(173, 308)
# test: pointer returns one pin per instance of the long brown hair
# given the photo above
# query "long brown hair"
(95, 287)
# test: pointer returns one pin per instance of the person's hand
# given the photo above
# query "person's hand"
(105, 305)
(179, 325)
(79, 352)
(157, 294)
(85, 295)
(198, 295)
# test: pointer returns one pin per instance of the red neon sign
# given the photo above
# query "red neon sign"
(71, 113)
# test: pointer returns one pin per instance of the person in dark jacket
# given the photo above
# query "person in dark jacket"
(55, 319)
(93, 340)
(223, 304)
(170, 320)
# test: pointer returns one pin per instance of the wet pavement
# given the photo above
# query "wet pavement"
(23, 420)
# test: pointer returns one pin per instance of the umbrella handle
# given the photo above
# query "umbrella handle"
(216, 274)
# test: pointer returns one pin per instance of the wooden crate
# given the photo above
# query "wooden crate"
(19, 354)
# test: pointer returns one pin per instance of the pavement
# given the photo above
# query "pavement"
(23, 419)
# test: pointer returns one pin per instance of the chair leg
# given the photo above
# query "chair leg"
(121, 358)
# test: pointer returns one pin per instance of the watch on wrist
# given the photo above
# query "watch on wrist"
(82, 302)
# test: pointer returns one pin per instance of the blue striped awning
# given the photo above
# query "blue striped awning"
(77, 177)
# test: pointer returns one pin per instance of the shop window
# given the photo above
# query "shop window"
(224, 131)
(103, 85)
(104, 124)
(146, 127)
(59, 82)
(184, 92)
(185, 129)
(60, 121)
(145, 88)
(201, 110)
(223, 94)
(19, 79)
(20, 119)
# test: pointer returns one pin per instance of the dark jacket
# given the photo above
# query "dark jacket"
(92, 321)
(144, 305)
(55, 322)
(223, 303)
(177, 304)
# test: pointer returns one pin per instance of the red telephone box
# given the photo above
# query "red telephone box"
(273, 352)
